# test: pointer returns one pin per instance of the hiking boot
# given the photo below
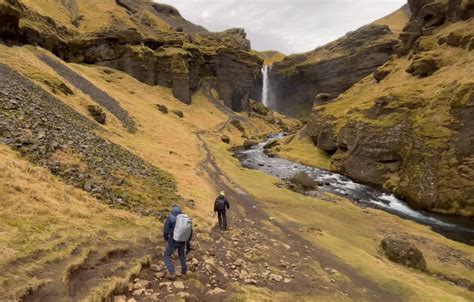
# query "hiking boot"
(171, 276)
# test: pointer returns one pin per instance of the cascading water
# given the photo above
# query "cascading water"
(265, 87)
(456, 228)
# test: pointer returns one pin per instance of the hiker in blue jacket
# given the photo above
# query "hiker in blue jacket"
(172, 245)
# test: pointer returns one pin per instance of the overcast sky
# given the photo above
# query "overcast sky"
(289, 26)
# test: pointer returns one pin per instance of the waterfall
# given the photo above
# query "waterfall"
(265, 87)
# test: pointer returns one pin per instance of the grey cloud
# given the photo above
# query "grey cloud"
(287, 26)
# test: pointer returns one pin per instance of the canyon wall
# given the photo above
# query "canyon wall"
(150, 41)
(408, 127)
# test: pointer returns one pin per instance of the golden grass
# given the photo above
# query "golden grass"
(42, 220)
(396, 20)
(300, 148)
(269, 57)
(95, 15)
(354, 236)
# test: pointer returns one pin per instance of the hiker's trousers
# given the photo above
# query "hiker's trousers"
(221, 215)
(170, 248)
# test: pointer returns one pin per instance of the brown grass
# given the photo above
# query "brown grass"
(43, 221)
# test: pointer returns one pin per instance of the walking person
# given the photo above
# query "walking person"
(220, 206)
(177, 232)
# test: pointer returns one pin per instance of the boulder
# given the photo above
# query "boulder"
(403, 252)
(178, 113)
(259, 108)
(423, 65)
(214, 292)
(97, 114)
(322, 98)
(271, 144)
(381, 73)
(304, 180)
(248, 143)
(225, 139)
(238, 124)
(163, 109)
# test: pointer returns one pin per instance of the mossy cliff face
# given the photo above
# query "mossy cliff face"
(150, 41)
(409, 126)
(331, 69)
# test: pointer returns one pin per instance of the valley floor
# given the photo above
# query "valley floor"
(62, 244)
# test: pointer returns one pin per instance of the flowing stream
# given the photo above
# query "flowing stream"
(456, 228)
(265, 85)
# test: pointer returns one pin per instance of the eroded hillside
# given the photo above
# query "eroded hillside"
(408, 127)
(149, 41)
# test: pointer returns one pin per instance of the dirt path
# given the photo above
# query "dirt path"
(256, 250)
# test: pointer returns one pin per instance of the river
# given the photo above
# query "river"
(454, 227)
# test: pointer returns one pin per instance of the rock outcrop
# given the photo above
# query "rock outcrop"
(150, 41)
(409, 128)
(404, 253)
(331, 69)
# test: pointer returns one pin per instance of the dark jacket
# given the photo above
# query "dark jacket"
(219, 200)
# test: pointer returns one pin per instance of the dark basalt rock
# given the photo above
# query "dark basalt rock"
(259, 108)
(296, 81)
(225, 139)
(424, 65)
(248, 143)
(178, 113)
(97, 114)
(162, 108)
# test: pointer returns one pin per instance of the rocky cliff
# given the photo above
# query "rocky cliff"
(409, 126)
(322, 74)
(150, 41)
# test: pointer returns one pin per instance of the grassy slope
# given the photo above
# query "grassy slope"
(91, 13)
(43, 221)
(354, 235)
(300, 148)
(396, 20)
(269, 57)
(164, 140)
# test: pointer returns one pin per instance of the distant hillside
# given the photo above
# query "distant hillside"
(270, 56)
(396, 20)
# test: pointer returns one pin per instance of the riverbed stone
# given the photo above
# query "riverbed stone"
(304, 180)
(249, 143)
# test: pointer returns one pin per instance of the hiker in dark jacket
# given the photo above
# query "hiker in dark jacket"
(172, 245)
(220, 206)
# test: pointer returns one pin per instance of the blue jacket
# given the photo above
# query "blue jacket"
(168, 228)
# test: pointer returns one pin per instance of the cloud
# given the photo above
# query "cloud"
(287, 26)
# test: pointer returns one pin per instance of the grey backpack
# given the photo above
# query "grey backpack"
(183, 227)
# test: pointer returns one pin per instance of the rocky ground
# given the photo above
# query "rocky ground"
(53, 135)
(255, 251)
